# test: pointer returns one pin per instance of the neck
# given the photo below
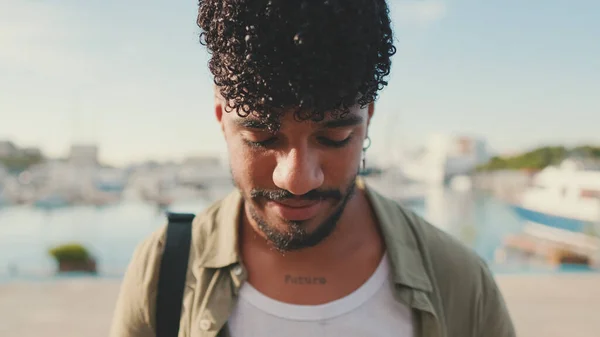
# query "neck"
(328, 271)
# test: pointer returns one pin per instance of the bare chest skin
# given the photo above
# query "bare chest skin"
(331, 270)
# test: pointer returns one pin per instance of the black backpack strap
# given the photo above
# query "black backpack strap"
(172, 274)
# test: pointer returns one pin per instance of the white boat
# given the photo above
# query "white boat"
(461, 183)
(566, 197)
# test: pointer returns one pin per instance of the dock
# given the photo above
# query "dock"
(555, 246)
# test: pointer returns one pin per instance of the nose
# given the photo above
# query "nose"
(298, 171)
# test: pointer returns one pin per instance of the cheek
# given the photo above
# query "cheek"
(249, 168)
(341, 165)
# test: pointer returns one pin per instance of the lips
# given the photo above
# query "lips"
(295, 210)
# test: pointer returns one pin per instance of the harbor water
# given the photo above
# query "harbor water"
(478, 220)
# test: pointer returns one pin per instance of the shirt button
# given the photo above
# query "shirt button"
(205, 324)
(237, 270)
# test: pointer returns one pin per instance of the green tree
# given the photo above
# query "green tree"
(539, 158)
(20, 162)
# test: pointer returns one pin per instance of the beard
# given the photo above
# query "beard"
(295, 236)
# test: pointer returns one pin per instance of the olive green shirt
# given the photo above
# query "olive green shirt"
(450, 289)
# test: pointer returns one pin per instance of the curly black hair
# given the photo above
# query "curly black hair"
(312, 56)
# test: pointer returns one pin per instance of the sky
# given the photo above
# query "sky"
(132, 77)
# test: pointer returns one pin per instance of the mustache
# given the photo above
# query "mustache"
(280, 195)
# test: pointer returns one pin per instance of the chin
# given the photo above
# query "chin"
(288, 236)
(309, 226)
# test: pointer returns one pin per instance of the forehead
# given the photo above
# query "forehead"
(355, 116)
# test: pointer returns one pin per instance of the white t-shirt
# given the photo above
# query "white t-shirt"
(370, 311)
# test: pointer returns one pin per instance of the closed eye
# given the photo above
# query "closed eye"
(262, 143)
(323, 140)
(334, 143)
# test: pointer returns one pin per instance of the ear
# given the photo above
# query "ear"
(219, 109)
(219, 115)
(370, 111)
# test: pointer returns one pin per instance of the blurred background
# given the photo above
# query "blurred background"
(489, 129)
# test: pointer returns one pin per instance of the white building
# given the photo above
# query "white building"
(84, 155)
(444, 157)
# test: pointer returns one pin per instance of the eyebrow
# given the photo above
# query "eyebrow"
(250, 123)
(331, 124)
(343, 122)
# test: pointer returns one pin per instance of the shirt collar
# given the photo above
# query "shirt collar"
(216, 231)
(403, 244)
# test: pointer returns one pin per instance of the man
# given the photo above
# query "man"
(302, 247)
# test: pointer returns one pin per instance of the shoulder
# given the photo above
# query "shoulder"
(450, 261)
(465, 285)
(136, 303)
(145, 261)
(146, 257)
(442, 254)
(447, 254)
(134, 311)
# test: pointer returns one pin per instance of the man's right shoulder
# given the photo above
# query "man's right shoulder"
(203, 225)
(136, 307)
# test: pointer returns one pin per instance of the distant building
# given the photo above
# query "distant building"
(445, 156)
(203, 161)
(84, 155)
(7, 148)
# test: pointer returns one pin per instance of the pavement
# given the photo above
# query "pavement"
(541, 305)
